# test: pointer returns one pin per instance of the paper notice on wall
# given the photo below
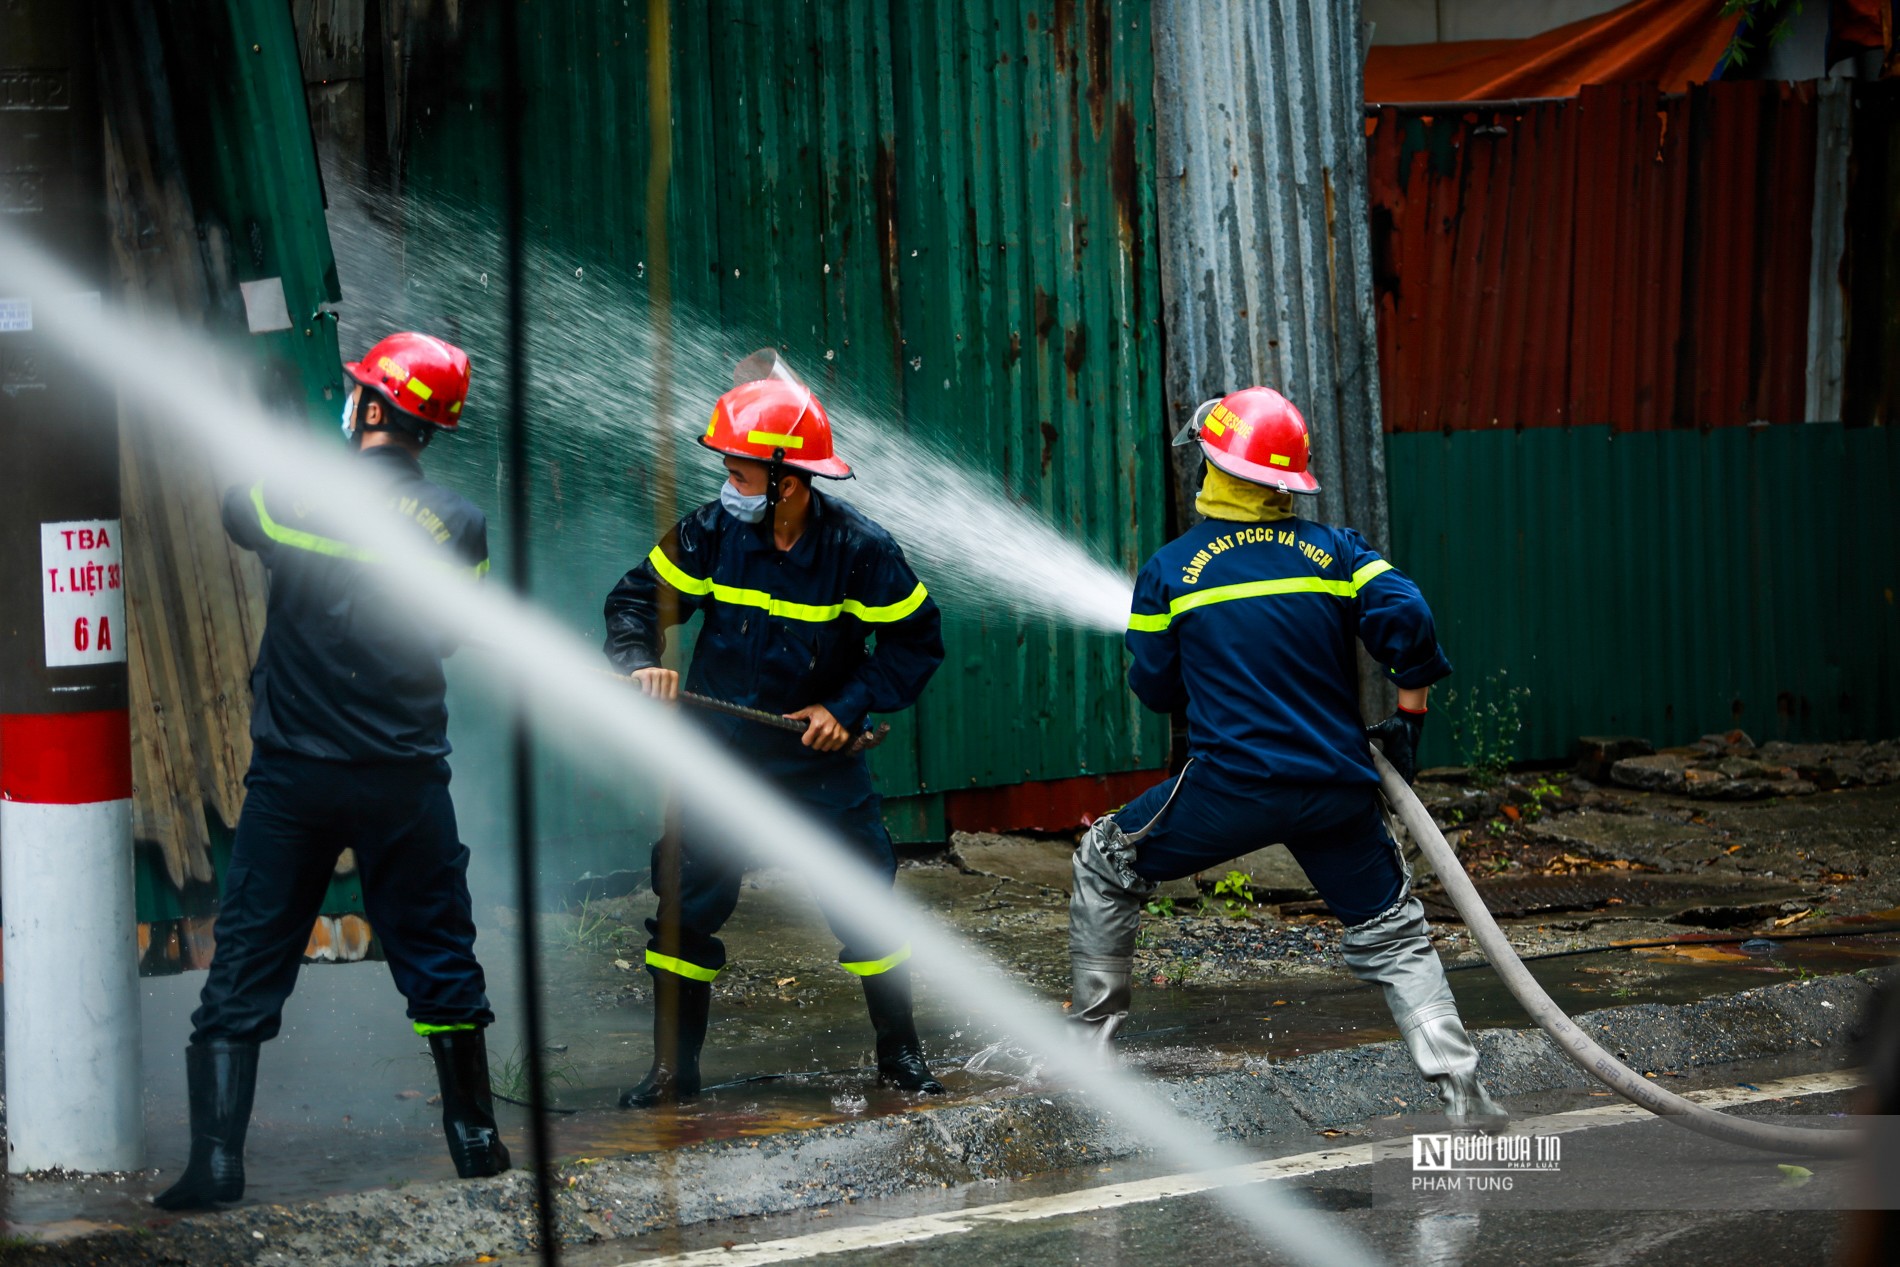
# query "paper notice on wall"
(265, 308)
(16, 316)
(82, 587)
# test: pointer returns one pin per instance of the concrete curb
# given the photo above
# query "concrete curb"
(1003, 1139)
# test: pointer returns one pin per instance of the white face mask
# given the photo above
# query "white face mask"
(349, 412)
(747, 510)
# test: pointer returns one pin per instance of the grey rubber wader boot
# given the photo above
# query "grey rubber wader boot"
(221, 1081)
(900, 1056)
(1104, 916)
(468, 1105)
(681, 1007)
(1395, 951)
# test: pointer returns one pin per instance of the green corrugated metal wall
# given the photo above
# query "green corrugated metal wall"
(948, 205)
(1663, 584)
(239, 97)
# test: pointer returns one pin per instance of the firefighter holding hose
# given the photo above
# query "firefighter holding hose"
(1249, 622)
(350, 751)
(791, 585)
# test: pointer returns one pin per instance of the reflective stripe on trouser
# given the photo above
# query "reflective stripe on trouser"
(299, 813)
(1395, 951)
(710, 874)
(681, 967)
(1104, 918)
(877, 967)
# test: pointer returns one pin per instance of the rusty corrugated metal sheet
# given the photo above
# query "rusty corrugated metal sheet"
(1751, 212)
(1050, 805)
(1265, 259)
(1827, 280)
(1872, 390)
(1028, 312)
(945, 208)
(1618, 259)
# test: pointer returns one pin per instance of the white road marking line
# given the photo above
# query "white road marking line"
(885, 1233)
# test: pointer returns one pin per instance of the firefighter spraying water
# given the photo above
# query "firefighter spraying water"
(1250, 622)
(792, 583)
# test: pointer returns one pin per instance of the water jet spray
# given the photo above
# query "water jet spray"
(610, 370)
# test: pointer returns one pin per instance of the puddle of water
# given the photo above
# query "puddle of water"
(1173, 1029)
(342, 1098)
(337, 1109)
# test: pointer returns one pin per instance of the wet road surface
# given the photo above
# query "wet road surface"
(343, 1096)
(1616, 1187)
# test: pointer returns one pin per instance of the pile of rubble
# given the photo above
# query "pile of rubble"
(1732, 767)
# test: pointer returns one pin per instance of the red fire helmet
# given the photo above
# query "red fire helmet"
(770, 416)
(1255, 435)
(419, 374)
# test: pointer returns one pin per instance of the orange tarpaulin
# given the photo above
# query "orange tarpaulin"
(1671, 43)
(1859, 24)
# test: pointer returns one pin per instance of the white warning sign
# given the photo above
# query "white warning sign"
(82, 584)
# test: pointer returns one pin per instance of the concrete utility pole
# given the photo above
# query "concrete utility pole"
(66, 897)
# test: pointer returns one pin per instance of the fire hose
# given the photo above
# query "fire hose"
(864, 741)
(1582, 1050)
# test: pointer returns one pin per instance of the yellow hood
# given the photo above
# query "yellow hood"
(1224, 496)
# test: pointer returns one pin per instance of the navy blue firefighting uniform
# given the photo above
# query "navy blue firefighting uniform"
(349, 729)
(782, 630)
(1251, 627)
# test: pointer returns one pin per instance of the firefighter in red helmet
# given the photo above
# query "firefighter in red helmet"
(1250, 622)
(349, 751)
(808, 609)
(416, 384)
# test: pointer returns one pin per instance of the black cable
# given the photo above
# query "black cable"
(529, 1104)
(522, 743)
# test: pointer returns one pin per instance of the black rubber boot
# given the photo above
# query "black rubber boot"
(221, 1080)
(900, 1057)
(468, 1105)
(680, 1010)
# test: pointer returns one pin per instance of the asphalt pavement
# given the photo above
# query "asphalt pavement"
(1595, 1185)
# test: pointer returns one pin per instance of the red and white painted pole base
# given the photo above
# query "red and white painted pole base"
(71, 942)
(66, 899)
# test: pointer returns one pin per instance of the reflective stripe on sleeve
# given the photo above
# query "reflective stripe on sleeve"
(890, 612)
(1370, 570)
(671, 574)
(875, 967)
(298, 539)
(680, 967)
(1148, 622)
(813, 613)
(1156, 622)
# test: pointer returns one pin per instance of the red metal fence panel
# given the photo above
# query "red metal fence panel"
(1617, 258)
